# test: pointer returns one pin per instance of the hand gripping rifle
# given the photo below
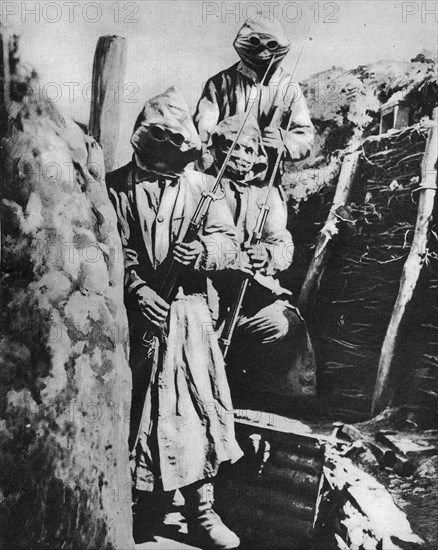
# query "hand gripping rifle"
(256, 237)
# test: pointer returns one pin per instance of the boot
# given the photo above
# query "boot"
(149, 510)
(204, 526)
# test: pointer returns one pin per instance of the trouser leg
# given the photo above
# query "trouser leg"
(273, 347)
(141, 363)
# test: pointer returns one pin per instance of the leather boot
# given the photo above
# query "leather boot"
(149, 510)
(205, 527)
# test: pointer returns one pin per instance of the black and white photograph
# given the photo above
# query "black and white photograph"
(219, 275)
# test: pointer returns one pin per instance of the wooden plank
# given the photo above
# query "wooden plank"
(261, 499)
(287, 480)
(383, 392)
(316, 268)
(107, 94)
(303, 445)
(296, 462)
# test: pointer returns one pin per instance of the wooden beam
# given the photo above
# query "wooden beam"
(316, 268)
(5, 103)
(5, 79)
(107, 94)
(383, 393)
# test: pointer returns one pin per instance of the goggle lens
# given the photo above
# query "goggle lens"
(177, 139)
(271, 45)
(159, 134)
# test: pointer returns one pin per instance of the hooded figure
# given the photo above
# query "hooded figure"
(182, 425)
(164, 132)
(230, 92)
(269, 326)
(249, 161)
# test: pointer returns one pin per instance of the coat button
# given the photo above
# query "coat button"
(160, 218)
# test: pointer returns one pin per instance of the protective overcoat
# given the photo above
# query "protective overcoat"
(187, 426)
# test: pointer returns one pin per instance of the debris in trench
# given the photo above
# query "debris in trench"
(371, 494)
(369, 518)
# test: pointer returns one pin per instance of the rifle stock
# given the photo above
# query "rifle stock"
(171, 279)
(231, 321)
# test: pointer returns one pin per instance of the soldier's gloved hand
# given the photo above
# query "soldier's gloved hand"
(272, 138)
(242, 264)
(258, 256)
(206, 159)
(188, 253)
(153, 307)
(244, 267)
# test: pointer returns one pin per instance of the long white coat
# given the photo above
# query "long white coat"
(187, 429)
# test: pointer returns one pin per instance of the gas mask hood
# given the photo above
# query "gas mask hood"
(165, 139)
(259, 40)
(248, 162)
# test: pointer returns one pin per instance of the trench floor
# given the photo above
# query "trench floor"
(172, 536)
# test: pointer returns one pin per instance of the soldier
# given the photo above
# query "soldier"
(231, 91)
(186, 428)
(269, 328)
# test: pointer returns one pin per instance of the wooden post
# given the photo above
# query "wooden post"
(316, 268)
(107, 94)
(5, 103)
(411, 270)
(5, 77)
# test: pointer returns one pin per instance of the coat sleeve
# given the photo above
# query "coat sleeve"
(299, 139)
(206, 118)
(219, 238)
(276, 238)
(123, 203)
